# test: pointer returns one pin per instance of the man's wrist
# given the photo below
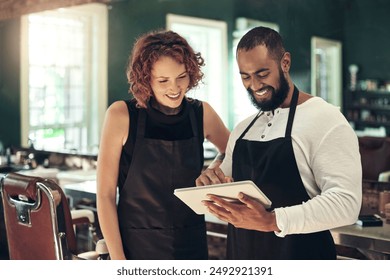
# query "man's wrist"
(273, 223)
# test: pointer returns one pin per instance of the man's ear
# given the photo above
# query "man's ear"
(285, 62)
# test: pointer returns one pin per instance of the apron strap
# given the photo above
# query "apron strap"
(193, 121)
(141, 124)
(293, 106)
(251, 124)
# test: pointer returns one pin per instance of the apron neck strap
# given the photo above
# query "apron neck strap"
(293, 107)
(141, 123)
(250, 125)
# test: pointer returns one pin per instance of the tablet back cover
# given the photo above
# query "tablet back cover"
(193, 196)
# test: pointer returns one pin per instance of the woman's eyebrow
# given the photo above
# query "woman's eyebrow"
(163, 77)
(185, 72)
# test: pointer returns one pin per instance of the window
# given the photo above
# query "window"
(64, 78)
(209, 37)
(326, 69)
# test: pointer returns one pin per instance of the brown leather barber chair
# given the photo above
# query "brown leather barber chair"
(38, 221)
(3, 240)
(375, 156)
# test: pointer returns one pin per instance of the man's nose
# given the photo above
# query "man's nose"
(255, 84)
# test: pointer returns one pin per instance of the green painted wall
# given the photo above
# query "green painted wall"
(367, 38)
(298, 21)
(129, 19)
(10, 82)
(361, 25)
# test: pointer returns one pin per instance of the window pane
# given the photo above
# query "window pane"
(57, 90)
(59, 63)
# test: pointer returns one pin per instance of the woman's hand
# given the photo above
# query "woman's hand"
(211, 176)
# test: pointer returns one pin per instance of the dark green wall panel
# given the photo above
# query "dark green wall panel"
(361, 25)
(129, 19)
(298, 21)
(10, 82)
(367, 38)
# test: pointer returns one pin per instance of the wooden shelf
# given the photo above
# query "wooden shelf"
(370, 123)
(368, 109)
(372, 93)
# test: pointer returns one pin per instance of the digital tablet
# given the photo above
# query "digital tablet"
(193, 196)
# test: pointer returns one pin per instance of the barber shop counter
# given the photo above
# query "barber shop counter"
(370, 242)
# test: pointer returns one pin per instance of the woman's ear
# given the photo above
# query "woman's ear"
(285, 62)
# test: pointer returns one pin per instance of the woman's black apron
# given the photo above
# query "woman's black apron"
(272, 166)
(154, 223)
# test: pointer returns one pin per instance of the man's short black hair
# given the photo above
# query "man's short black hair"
(263, 36)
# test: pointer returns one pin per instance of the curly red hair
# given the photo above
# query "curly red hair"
(148, 49)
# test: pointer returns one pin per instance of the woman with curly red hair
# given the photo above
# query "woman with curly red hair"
(152, 144)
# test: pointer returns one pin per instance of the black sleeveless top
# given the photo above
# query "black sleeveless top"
(160, 126)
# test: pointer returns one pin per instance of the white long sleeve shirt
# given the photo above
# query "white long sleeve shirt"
(327, 154)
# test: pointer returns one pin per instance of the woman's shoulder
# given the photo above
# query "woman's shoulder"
(119, 109)
(129, 105)
(117, 106)
(132, 104)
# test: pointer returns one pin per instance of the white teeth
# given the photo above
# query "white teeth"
(173, 95)
(262, 92)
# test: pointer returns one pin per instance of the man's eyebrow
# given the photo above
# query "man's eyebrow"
(256, 72)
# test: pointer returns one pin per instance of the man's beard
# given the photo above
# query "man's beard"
(277, 96)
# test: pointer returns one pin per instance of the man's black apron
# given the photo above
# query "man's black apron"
(272, 166)
(154, 223)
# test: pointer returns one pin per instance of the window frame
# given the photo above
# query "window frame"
(97, 99)
(215, 85)
(326, 69)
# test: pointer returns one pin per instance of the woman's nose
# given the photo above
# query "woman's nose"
(174, 86)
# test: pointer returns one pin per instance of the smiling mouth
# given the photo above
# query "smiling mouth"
(261, 92)
(173, 96)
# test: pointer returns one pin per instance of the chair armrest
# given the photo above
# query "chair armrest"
(91, 255)
(82, 216)
(100, 253)
(384, 176)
